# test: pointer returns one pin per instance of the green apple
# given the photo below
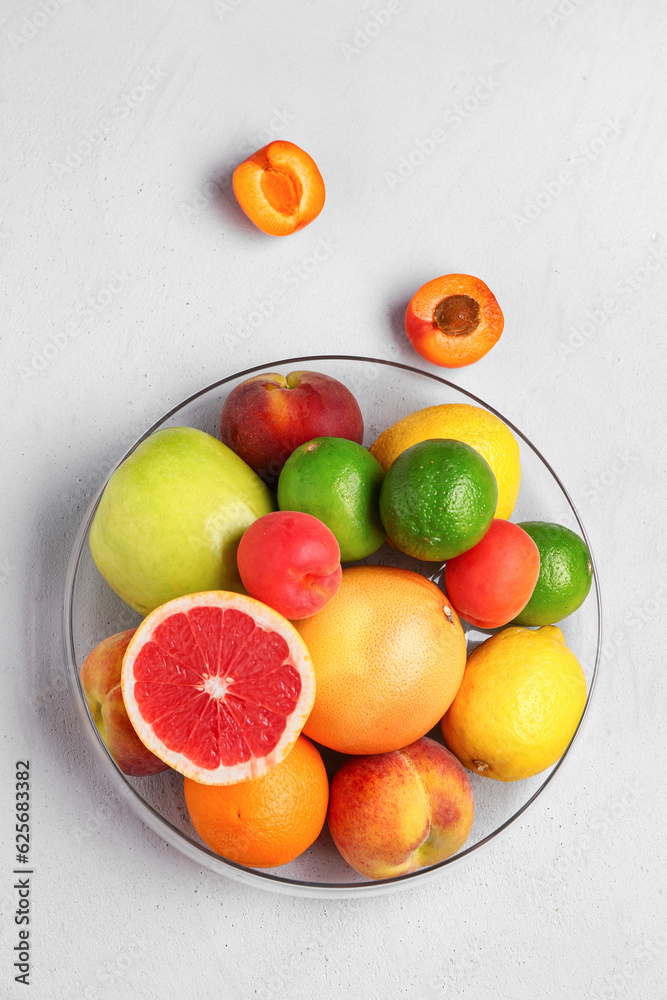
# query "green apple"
(171, 517)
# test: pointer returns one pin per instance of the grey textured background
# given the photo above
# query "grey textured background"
(524, 143)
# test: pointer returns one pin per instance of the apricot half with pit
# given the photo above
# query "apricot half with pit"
(454, 320)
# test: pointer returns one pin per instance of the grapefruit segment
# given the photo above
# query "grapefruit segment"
(218, 686)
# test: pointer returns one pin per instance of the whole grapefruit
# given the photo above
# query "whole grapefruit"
(389, 653)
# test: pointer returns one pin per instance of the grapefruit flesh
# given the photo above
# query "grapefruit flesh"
(218, 686)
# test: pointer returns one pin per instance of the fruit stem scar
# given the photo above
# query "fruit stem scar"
(457, 315)
(481, 765)
(448, 614)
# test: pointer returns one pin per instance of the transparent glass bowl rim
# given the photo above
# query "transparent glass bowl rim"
(166, 830)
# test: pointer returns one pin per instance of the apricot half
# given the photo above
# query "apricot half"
(279, 188)
(454, 320)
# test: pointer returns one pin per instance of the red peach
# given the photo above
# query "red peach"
(493, 581)
(290, 561)
(100, 678)
(266, 417)
(392, 813)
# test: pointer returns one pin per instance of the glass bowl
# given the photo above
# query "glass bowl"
(386, 391)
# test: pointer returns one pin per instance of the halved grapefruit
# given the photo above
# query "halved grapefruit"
(218, 686)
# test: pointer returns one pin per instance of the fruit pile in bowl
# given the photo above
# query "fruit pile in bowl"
(312, 649)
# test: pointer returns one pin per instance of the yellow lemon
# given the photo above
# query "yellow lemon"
(478, 428)
(518, 706)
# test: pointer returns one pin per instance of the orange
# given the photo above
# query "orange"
(218, 686)
(268, 821)
(389, 654)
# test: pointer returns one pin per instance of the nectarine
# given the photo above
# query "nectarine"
(100, 679)
(392, 813)
(266, 417)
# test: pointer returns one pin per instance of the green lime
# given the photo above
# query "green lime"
(438, 499)
(565, 576)
(339, 482)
